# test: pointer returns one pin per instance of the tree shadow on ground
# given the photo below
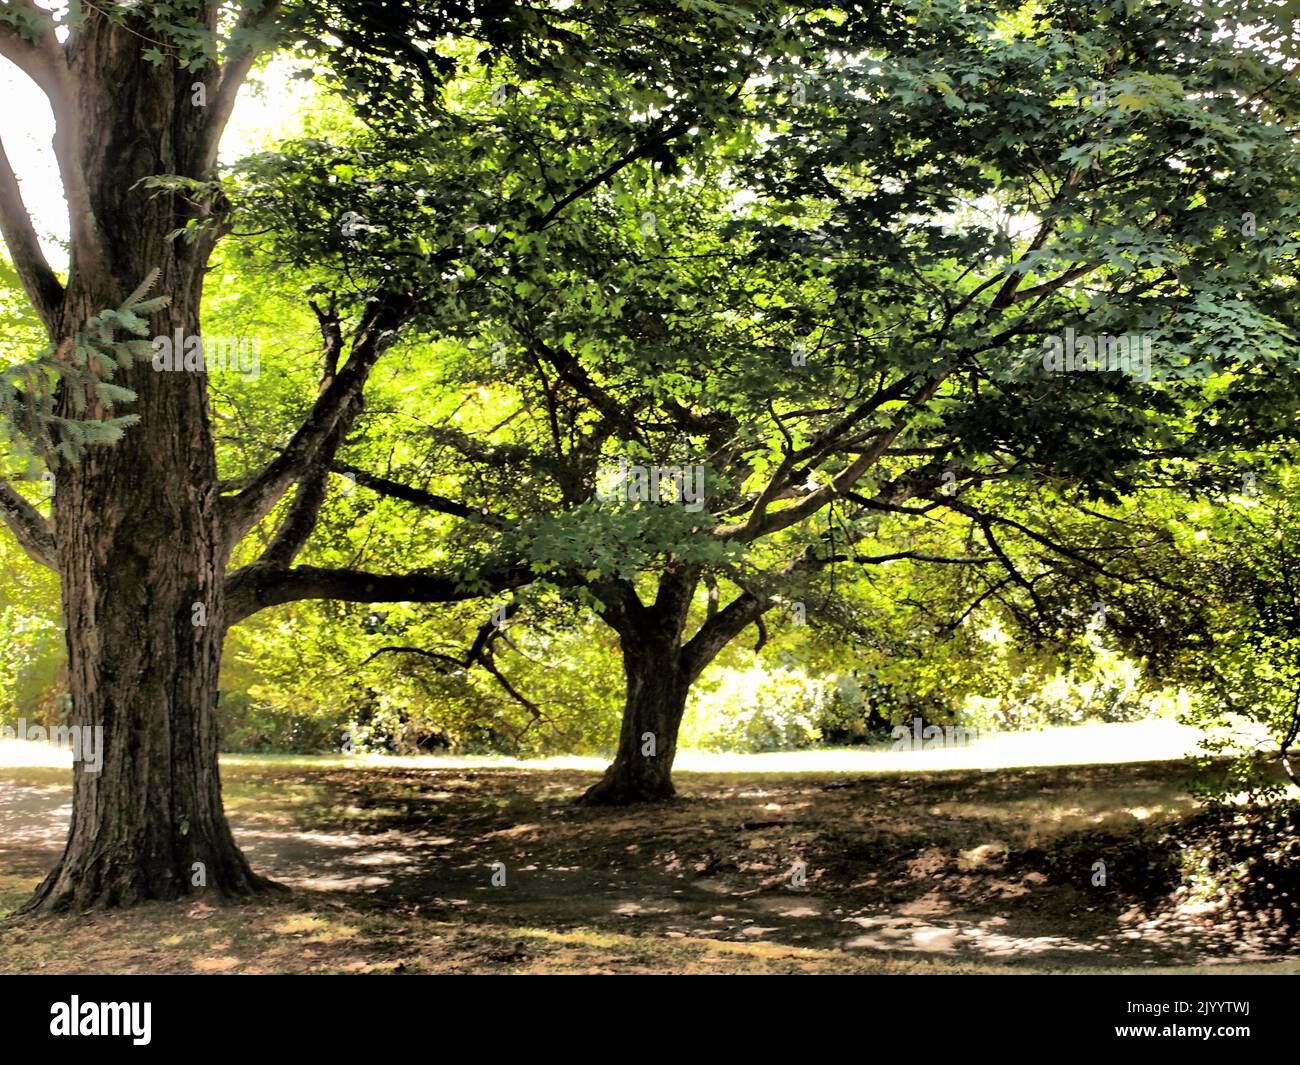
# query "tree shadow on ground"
(1060, 867)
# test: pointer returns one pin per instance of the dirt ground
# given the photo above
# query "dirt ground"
(393, 870)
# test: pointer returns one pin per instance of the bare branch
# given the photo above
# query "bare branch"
(256, 29)
(39, 281)
(1074, 554)
(304, 453)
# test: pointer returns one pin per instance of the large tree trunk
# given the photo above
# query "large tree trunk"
(138, 536)
(141, 555)
(150, 824)
(657, 687)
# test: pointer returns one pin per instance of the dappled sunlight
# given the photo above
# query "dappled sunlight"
(1084, 811)
(999, 938)
(1053, 808)
(970, 868)
(34, 817)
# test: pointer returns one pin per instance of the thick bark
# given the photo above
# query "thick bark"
(141, 555)
(137, 530)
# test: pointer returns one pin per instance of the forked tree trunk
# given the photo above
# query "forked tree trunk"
(138, 534)
(660, 665)
(658, 682)
(657, 687)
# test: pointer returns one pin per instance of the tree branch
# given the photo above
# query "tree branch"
(720, 629)
(644, 147)
(480, 653)
(38, 59)
(916, 556)
(303, 453)
(259, 586)
(761, 524)
(298, 525)
(256, 24)
(28, 526)
(39, 281)
(418, 496)
(43, 61)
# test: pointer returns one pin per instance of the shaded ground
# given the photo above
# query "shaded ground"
(392, 870)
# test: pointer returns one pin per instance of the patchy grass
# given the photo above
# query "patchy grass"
(938, 871)
(15, 890)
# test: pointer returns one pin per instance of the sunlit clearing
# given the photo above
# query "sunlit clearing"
(1099, 744)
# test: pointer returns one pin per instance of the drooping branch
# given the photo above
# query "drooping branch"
(1034, 623)
(720, 627)
(479, 653)
(28, 526)
(1073, 554)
